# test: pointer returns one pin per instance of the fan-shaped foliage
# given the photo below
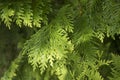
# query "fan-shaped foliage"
(74, 43)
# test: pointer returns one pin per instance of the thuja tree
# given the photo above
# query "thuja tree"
(77, 39)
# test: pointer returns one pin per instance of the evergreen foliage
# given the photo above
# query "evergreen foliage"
(76, 40)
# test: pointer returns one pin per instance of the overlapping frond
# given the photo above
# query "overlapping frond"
(28, 13)
(72, 46)
(44, 50)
